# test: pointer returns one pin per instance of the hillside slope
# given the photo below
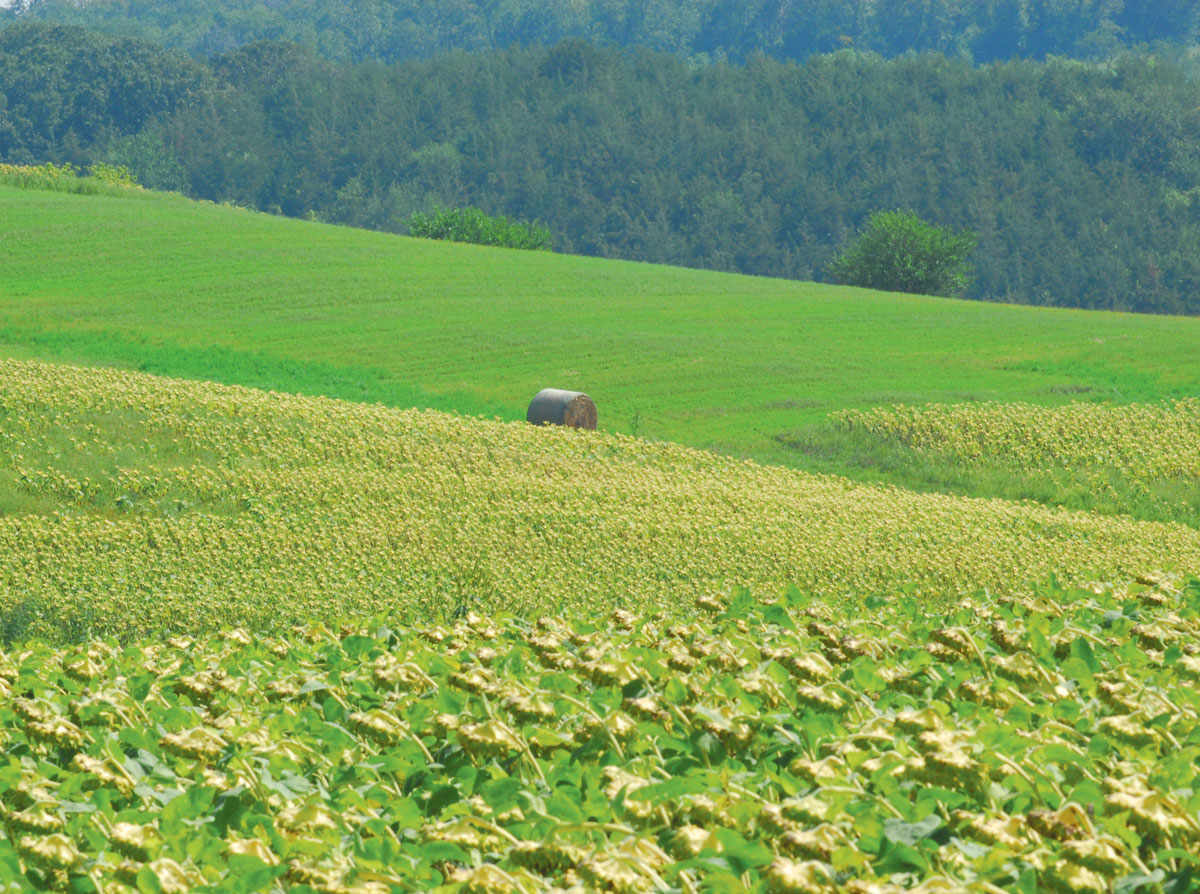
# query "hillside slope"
(132, 504)
(737, 364)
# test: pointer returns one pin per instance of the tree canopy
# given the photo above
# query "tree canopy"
(1082, 181)
(396, 30)
(898, 252)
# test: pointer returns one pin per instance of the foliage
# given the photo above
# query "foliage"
(65, 92)
(154, 160)
(1082, 182)
(116, 175)
(165, 505)
(46, 176)
(68, 178)
(1030, 743)
(395, 30)
(474, 226)
(898, 252)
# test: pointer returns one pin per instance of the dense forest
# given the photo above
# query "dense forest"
(1082, 180)
(397, 30)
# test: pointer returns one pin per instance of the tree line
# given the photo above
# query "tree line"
(398, 30)
(1081, 181)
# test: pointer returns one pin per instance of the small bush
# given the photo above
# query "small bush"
(472, 225)
(68, 178)
(117, 175)
(899, 252)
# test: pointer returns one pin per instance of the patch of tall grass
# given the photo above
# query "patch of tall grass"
(98, 179)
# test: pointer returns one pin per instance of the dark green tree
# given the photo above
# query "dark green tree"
(899, 252)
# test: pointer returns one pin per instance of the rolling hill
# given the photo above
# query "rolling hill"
(740, 365)
(255, 641)
(132, 504)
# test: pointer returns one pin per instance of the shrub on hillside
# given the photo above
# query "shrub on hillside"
(67, 177)
(116, 175)
(472, 225)
(899, 252)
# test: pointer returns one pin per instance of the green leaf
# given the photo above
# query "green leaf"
(564, 808)
(333, 710)
(501, 794)
(1027, 882)
(1131, 883)
(1076, 669)
(777, 615)
(742, 854)
(247, 878)
(406, 813)
(10, 864)
(442, 797)
(929, 798)
(1067, 710)
(896, 830)
(1019, 716)
(356, 646)
(898, 857)
(741, 605)
(290, 785)
(443, 851)
(795, 599)
(1117, 824)
(1082, 650)
(1181, 883)
(849, 859)
(148, 882)
(867, 678)
(1060, 754)
(192, 804)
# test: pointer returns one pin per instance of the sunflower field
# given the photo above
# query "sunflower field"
(131, 504)
(1131, 459)
(1144, 441)
(1029, 743)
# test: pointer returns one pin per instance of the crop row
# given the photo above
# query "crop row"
(141, 504)
(1041, 743)
(1145, 442)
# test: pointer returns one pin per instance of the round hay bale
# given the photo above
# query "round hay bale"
(557, 407)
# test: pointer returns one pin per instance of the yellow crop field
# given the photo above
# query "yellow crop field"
(1144, 441)
(1137, 460)
(133, 503)
(1040, 744)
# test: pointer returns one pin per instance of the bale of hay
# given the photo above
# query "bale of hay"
(554, 406)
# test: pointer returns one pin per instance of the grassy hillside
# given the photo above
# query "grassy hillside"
(738, 364)
(134, 504)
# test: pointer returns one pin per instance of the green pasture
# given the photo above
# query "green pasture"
(741, 365)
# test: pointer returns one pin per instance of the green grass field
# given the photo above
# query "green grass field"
(742, 365)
